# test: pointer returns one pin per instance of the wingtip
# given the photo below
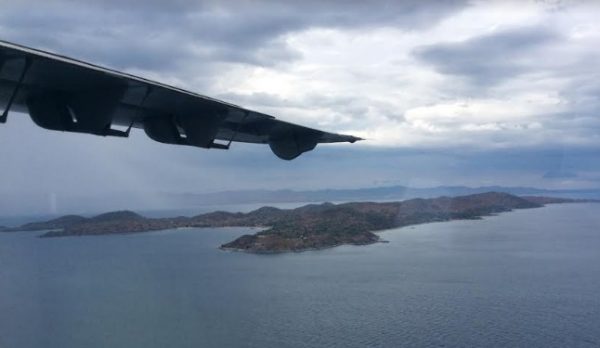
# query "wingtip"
(354, 139)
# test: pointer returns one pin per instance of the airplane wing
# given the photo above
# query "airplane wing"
(65, 94)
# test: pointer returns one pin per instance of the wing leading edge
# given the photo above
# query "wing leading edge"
(65, 94)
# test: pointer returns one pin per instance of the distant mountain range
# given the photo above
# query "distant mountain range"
(364, 194)
(156, 204)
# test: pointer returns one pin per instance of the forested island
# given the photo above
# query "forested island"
(313, 226)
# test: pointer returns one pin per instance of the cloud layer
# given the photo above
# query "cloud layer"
(511, 73)
(432, 86)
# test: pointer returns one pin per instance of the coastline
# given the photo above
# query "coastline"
(277, 252)
(310, 227)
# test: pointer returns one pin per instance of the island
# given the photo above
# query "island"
(313, 226)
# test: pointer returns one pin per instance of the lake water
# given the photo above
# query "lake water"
(529, 278)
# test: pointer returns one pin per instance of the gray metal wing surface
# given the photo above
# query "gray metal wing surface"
(65, 94)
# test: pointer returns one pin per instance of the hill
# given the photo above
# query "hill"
(328, 225)
(312, 226)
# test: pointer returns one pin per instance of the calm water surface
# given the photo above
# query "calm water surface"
(530, 278)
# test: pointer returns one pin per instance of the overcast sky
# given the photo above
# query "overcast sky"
(455, 92)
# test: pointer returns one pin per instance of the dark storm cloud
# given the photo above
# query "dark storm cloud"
(489, 59)
(160, 35)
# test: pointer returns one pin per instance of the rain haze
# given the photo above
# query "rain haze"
(459, 93)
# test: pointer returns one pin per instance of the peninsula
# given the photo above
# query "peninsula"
(313, 226)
